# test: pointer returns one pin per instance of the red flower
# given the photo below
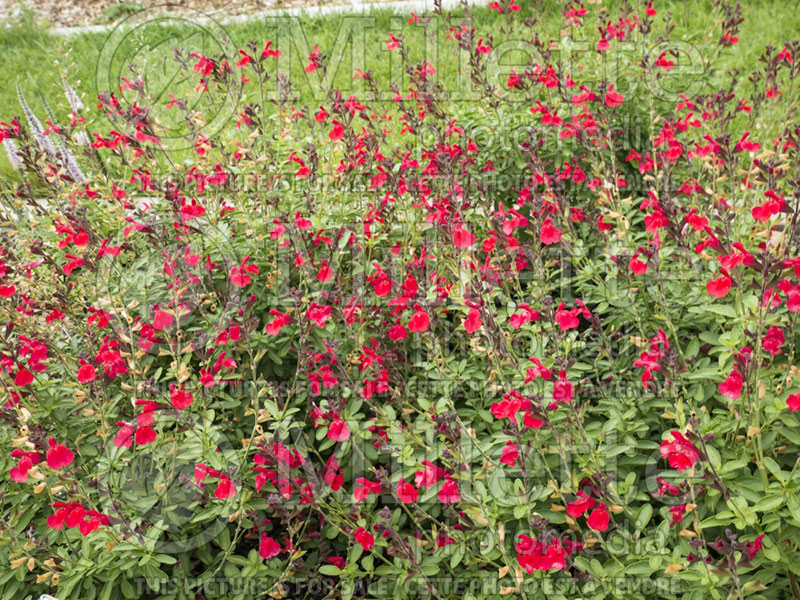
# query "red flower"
(430, 476)
(204, 65)
(771, 207)
(365, 487)
(392, 43)
(268, 547)
(191, 211)
(314, 60)
(755, 546)
(732, 386)
(720, 286)
(535, 556)
(510, 454)
(145, 435)
(74, 263)
(239, 275)
(268, 52)
(180, 398)
(745, 145)
(406, 492)
(637, 266)
(318, 314)
(336, 561)
(567, 319)
(677, 513)
(364, 537)
(793, 402)
(664, 62)
(449, 492)
(25, 464)
(201, 471)
(74, 515)
(680, 452)
(398, 332)
(664, 487)
(508, 407)
(56, 521)
(338, 431)
(161, 320)
(124, 437)
(241, 63)
(20, 472)
(301, 222)
(462, 238)
(333, 477)
(58, 456)
(531, 421)
(98, 317)
(550, 234)
(527, 315)
(443, 540)
(473, 321)
(279, 321)
(325, 273)
(613, 98)
(225, 488)
(599, 518)
(582, 504)
(23, 377)
(562, 389)
(337, 132)
(773, 341)
(419, 321)
(793, 301)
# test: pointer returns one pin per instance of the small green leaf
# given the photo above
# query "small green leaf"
(768, 503)
(332, 570)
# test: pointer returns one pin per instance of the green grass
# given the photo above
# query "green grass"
(36, 60)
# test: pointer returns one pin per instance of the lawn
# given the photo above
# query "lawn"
(36, 61)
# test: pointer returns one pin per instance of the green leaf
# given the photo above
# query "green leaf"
(332, 570)
(775, 469)
(165, 559)
(719, 309)
(458, 554)
(639, 568)
(732, 465)
(794, 507)
(127, 589)
(768, 503)
(643, 516)
(108, 588)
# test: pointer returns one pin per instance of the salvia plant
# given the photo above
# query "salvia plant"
(535, 341)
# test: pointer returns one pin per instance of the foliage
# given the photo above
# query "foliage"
(532, 335)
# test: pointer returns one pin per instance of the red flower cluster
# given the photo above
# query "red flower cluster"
(75, 515)
(680, 452)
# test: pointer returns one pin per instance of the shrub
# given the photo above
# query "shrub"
(537, 341)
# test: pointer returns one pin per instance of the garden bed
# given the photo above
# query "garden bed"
(471, 304)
